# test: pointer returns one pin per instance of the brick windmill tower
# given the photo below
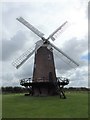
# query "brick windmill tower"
(44, 81)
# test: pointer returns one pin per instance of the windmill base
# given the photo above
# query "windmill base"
(43, 90)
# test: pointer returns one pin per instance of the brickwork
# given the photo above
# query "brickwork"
(44, 71)
(44, 65)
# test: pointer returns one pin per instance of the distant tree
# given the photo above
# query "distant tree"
(13, 89)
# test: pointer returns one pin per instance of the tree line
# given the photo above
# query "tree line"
(77, 89)
(11, 89)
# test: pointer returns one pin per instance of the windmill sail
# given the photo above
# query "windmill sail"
(66, 57)
(31, 27)
(52, 36)
(23, 58)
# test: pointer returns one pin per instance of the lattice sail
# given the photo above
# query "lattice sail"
(19, 61)
(22, 59)
(65, 57)
(54, 35)
(31, 27)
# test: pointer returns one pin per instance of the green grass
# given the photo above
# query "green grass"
(0, 106)
(20, 106)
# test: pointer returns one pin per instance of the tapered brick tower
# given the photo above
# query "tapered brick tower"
(44, 72)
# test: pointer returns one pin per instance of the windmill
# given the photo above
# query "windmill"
(44, 80)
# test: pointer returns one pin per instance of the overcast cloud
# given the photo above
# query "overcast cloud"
(46, 16)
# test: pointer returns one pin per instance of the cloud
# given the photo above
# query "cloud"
(26, 70)
(80, 77)
(8, 80)
(15, 44)
(11, 76)
(75, 49)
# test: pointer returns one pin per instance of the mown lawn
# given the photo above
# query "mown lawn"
(0, 106)
(20, 106)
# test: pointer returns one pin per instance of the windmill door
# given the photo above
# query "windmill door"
(50, 77)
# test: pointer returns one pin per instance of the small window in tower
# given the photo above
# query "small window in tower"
(34, 65)
(49, 57)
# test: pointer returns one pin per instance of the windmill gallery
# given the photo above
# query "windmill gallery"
(44, 81)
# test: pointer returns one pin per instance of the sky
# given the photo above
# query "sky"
(46, 16)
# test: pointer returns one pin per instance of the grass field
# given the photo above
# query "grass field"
(0, 106)
(20, 106)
